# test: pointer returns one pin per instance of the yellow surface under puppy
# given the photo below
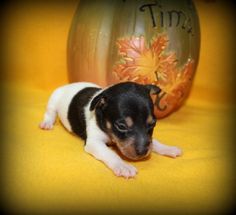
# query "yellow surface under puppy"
(47, 171)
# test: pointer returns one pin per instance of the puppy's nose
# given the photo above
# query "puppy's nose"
(143, 150)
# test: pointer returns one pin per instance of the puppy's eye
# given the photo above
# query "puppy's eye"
(121, 127)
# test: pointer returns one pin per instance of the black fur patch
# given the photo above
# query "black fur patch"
(76, 115)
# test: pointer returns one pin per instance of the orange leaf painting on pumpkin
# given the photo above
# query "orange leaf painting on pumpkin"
(150, 64)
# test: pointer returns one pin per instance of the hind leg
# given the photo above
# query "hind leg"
(51, 112)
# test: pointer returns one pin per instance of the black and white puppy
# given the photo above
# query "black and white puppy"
(121, 114)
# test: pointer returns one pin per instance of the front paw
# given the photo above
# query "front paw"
(124, 170)
(171, 151)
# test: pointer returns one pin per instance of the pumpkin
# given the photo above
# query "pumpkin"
(148, 42)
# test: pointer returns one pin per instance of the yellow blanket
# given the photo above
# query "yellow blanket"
(49, 170)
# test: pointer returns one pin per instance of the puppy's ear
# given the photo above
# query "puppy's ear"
(153, 89)
(98, 101)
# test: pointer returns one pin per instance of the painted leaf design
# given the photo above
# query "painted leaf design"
(141, 63)
(176, 86)
(149, 63)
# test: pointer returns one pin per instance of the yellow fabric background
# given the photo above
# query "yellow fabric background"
(49, 170)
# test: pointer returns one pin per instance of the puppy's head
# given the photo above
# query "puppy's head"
(125, 112)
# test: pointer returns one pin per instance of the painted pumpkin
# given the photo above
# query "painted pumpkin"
(148, 42)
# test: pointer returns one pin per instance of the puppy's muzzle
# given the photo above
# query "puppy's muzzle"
(134, 150)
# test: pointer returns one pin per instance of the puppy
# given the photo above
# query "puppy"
(121, 114)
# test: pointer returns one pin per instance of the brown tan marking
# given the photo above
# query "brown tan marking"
(149, 119)
(129, 121)
(126, 147)
(108, 124)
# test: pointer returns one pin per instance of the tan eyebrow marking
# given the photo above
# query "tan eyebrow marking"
(108, 124)
(129, 121)
(149, 119)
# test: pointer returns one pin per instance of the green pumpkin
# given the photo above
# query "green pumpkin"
(148, 42)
